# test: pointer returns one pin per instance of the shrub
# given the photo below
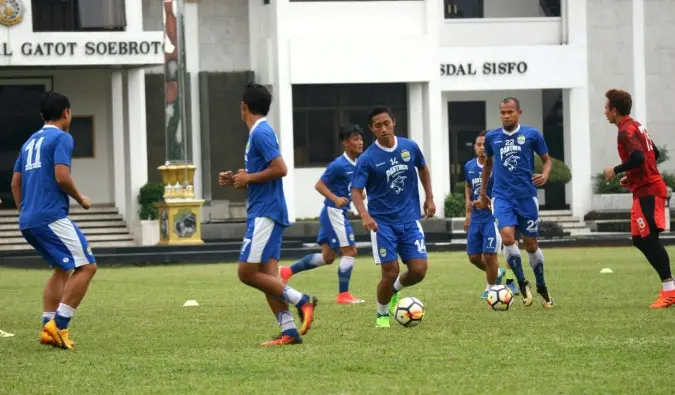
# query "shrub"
(455, 206)
(149, 194)
(607, 187)
(560, 173)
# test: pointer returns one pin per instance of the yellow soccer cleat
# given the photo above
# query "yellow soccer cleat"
(59, 337)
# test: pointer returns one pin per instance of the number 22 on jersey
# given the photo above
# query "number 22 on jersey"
(33, 147)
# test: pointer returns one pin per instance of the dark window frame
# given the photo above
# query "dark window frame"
(343, 114)
(78, 151)
(64, 16)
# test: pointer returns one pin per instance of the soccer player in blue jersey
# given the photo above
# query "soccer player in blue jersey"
(514, 193)
(336, 232)
(388, 172)
(483, 241)
(267, 218)
(41, 184)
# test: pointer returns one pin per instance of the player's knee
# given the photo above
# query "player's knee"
(508, 238)
(246, 275)
(390, 271)
(476, 260)
(329, 259)
(531, 244)
(349, 251)
(90, 269)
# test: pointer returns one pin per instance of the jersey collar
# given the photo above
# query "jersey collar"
(516, 130)
(258, 122)
(478, 163)
(383, 148)
(49, 126)
(353, 162)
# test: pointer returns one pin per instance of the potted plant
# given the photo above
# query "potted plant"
(149, 194)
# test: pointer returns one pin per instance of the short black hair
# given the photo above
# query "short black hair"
(482, 133)
(620, 100)
(513, 99)
(52, 106)
(257, 98)
(347, 132)
(379, 110)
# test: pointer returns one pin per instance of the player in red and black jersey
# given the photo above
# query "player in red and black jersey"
(648, 215)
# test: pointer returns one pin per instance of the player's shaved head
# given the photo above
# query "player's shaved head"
(512, 100)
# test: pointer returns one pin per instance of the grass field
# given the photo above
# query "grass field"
(134, 337)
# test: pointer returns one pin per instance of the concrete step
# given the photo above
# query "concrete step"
(74, 210)
(555, 213)
(82, 225)
(94, 245)
(92, 238)
(560, 219)
(77, 218)
(87, 231)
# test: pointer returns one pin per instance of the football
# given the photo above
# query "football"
(500, 298)
(409, 311)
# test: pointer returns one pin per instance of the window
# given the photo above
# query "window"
(82, 130)
(463, 8)
(78, 15)
(320, 110)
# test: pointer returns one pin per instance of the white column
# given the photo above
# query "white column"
(416, 126)
(134, 15)
(282, 104)
(137, 147)
(639, 63)
(192, 66)
(578, 149)
(438, 157)
(119, 147)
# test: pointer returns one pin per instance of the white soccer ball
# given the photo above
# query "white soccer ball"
(409, 311)
(499, 298)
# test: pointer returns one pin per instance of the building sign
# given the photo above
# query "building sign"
(89, 48)
(11, 12)
(487, 68)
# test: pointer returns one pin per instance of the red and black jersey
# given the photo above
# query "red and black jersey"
(646, 179)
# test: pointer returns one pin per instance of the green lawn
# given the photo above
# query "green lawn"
(133, 335)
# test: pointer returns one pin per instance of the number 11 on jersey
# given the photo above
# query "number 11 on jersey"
(30, 148)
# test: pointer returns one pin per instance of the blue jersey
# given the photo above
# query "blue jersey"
(390, 179)
(513, 164)
(42, 200)
(472, 173)
(266, 199)
(338, 179)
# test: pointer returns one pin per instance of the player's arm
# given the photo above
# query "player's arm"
(358, 194)
(327, 177)
(63, 153)
(275, 170)
(16, 188)
(540, 179)
(485, 177)
(636, 157)
(267, 146)
(425, 178)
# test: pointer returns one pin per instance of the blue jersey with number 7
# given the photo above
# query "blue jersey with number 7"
(42, 200)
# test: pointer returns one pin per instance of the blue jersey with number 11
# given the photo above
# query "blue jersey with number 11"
(42, 200)
(513, 164)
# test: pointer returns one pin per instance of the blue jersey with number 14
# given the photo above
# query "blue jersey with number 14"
(42, 200)
(513, 164)
(390, 179)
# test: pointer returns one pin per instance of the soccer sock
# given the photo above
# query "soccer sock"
(512, 255)
(657, 256)
(47, 316)
(669, 285)
(537, 262)
(382, 309)
(345, 273)
(287, 324)
(310, 261)
(63, 315)
(397, 284)
(294, 297)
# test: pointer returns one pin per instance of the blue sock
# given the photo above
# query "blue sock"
(345, 273)
(63, 315)
(61, 321)
(47, 316)
(537, 263)
(294, 297)
(309, 262)
(513, 259)
(287, 324)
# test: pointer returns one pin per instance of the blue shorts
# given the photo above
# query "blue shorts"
(262, 241)
(335, 229)
(61, 244)
(483, 238)
(406, 240)
(522, 213)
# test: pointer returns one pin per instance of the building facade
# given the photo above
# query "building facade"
(442, 65)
